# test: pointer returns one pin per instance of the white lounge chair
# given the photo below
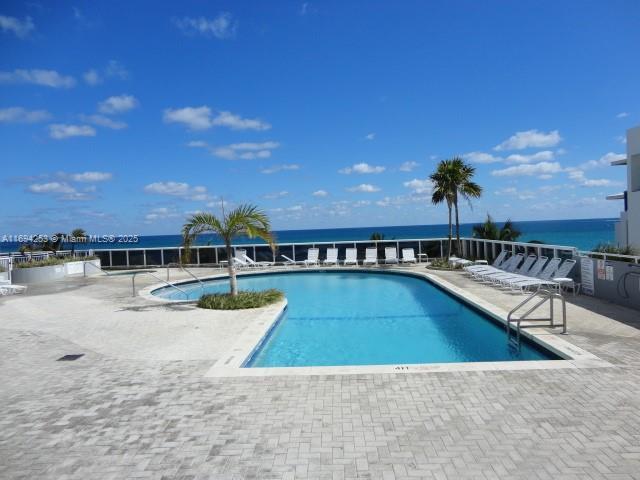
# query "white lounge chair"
(239, 263)
(408, 256)
(370, 256)
(289, 261)
(332, 257)
(390, 255)
(509, 267)
(533, 272)
(497, 262)
(522, 270)
(561, 272)
(10, 289)
(312, 257)
(255, 264)
(350, 256)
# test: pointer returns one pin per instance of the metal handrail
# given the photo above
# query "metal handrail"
(133, 279)
(547, 295)
(184, 269)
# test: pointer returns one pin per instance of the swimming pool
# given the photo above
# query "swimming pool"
(370, 318)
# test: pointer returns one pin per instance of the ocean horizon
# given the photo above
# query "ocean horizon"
(584, 234)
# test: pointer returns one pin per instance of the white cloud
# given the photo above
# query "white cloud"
(118, 104)
(543, 156)
(364, 187)
(201, 118)
(419, 186)
(20, 28)
(102, 121)
(46, 78)
(197, 144)
(542, 168)
(603, 161)
(161, 213)
(245, 150)
(235, 122)
(195, 118)
(92, 77)
(362, 168)
(276, 195)
(482, 157)
(280, 168)
(178, 189)
(116, 69)
(221, 27)
(370, 136)
(320, 193)
(22, 115)
(408, 166)
(91, 176)
(578, 175)
(60, 131)
(622, 115)
(530, 139)
(51, 187)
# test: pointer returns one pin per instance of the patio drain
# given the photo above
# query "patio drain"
(70, 357)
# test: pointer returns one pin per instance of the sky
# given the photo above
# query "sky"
(126, 117)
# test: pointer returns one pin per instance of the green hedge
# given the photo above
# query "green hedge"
(48, 262)
(224, 301)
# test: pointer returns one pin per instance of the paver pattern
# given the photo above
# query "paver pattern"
(110, 418)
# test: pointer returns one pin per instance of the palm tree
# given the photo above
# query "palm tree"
(452, 180)
(443, 191)
(489, 230)
(244, 220)
(77, 235)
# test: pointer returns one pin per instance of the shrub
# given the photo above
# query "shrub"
(48, 262)
(225, 301)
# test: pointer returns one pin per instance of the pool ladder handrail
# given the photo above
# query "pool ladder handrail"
(544, 295)
(184, 269)
(133, 279)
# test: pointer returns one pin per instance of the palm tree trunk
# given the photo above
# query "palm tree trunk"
(233, 281)
(450, 231)
(458, 249)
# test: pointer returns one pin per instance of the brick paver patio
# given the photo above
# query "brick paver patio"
(102, 417)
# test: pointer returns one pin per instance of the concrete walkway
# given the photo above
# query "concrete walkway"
(137, 404)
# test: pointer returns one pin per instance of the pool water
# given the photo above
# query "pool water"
(366, 318)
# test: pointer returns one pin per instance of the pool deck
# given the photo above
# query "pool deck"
(138, 403)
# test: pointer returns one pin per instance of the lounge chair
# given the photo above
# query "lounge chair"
(10, 289)
(255, 264)
(561, 272)
(332, 257)
(312, 257)
(408, 256)
(239, 263)
(508, 266)
(370, 256)
(289, 261)
(522, 270)
(533, 272)
(351, 257)
(390, 255)
(497, 262)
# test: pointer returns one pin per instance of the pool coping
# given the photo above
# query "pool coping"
(231, 363)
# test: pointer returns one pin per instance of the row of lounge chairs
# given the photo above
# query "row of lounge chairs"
(242, 260)
(514, 272)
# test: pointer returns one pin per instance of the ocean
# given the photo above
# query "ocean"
(583, 234)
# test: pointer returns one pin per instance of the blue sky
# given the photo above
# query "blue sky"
(123, 117)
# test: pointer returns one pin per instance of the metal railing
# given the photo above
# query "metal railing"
(544, 295)
(184, 269)
(133, 279)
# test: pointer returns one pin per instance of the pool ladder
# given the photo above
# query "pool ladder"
(542, 295)
(184, 269)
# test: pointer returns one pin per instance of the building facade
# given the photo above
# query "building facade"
(628, 227)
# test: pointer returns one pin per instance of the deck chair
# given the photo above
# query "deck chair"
(390, 255)
(351, 256)
(370, 256)
(332, 257)
(312, 257)
(408, 256)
